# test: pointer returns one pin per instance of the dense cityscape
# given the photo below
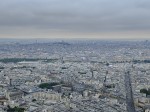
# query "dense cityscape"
(81, 76)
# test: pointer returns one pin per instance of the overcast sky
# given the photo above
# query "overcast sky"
(101, 19)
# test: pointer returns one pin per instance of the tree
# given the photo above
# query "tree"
(143, 91)
(33, 100)
(15, 109)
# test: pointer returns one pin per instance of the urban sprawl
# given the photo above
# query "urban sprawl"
(86, 76)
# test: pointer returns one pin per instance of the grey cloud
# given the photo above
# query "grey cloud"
(76, 15)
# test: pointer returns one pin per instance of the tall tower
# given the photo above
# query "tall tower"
(106, 77)
(62, 60)
(10, 82)
(91, 70)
